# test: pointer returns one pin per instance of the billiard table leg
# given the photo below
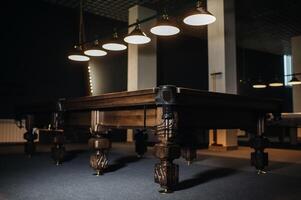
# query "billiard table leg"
(189, 154)
(140, 142)
(166, 172)
(101, 145)
(29, 136)
(259, 158)
(58, 150)
(29, 146)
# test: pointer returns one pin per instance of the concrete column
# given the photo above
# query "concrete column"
(296, 60)
(142, 59)
(222, 60)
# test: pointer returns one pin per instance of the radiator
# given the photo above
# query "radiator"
(10, 132)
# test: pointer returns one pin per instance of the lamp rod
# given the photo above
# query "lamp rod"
(294, 74)
(143, 20)
(125, 29)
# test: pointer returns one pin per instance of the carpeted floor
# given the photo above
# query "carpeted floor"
(211, 178)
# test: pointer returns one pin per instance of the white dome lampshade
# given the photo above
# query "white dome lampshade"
(137, 36)
(276, 83)
(95, 50)
(259, 84)
(114, 44)
(165, 27)
(77, 55)
(199, 16)
(294, 81)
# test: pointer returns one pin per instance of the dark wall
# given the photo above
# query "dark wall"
(36, 38)
(253, 65)
(183, 61)
(109, 73)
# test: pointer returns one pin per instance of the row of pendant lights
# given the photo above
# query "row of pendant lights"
(276, 83)
(164, 27)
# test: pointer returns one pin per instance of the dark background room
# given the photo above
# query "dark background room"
(209, 111)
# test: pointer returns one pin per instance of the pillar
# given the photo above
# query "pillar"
(296, 60)
(142, 59)
(222, 75)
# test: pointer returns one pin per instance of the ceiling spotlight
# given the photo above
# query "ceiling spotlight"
(199, 16)
(165, 27)
(77, 55)
(294, 81)
(114, 44)
(137, 36)
(95, 50)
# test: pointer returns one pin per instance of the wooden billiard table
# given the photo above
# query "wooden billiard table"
(171, 113)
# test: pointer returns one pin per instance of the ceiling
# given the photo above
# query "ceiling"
(264, 25)
(115, 9)
(268, 25)
(118, 9)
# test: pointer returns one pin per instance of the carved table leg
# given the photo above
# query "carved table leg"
(189, 154)
(166, 172)
(29, 136)
(58, 151)
(140, 142)
(188, 143)
(29, 146)
(259, 158)
(99, 160)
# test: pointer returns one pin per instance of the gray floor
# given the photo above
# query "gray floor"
(211, 177)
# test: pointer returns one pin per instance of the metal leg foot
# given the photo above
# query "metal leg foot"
(259, 172)
(98, 173)
(165, 191)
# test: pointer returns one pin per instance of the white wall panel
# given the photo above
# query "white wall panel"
(10, 132)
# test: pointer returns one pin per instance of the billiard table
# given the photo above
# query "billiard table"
(172, 113)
